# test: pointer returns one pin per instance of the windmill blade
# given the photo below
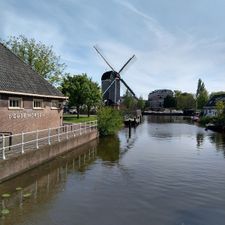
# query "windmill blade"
(126, 63)
(109, 87)
(128, 88)
(103, 58)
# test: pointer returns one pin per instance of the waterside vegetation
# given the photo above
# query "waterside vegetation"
(110, 121)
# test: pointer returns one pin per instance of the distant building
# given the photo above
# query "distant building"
(210, 108)
(27, 101)
(156, 98)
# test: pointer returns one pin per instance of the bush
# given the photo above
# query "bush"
(206, 119)
(110, 121)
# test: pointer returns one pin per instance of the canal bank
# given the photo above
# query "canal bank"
(26, 160)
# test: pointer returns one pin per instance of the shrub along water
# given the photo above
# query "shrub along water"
(110, 121)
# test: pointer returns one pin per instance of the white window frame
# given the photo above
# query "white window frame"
(15, 98)
(53, 107)
(38, 100)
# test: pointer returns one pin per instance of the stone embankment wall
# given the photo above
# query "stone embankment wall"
(17, 165)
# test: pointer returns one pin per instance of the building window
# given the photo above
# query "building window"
(55, 104)
(15, 103)
(38, 104)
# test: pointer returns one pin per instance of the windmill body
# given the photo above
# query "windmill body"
(111, 88)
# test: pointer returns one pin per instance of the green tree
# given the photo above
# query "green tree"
(185, 100)
(39, 56)
(129, 101)
(141, 103)
(77, 88)
(169, 102)
(94, 96)
(110, 121)
(201, 95)
(147, 104)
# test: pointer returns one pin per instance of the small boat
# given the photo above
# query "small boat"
(195, 117)
(215, 127)
(133, 121)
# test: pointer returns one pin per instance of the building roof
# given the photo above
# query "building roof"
(16, 77)
(212, 101)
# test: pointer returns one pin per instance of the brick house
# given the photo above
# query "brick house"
(27, 101)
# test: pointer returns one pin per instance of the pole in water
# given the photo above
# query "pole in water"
(129, 128)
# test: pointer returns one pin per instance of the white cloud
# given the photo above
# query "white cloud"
(165, 58)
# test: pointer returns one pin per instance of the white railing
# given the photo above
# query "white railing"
(12, 145)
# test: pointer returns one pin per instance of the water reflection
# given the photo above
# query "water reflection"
(165, 119)
(109, 149)
(219, 141)
(113, 148)
(41, 184)
(200, 139)
(160, 128)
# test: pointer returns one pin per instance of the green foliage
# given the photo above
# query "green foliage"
(201, 95)
(110, 121)
(81, 91)
(169, 102)
(129, 101)
(202, 99)
(39, 56)
(147, 104)
(141, 104)
(220, 106)
(185, 100)
(206, 119)
(94, 96)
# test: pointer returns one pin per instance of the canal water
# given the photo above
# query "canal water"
(169, 172)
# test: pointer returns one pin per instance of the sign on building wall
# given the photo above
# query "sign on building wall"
(24, 115)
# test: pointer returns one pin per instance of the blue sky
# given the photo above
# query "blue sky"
(175, 41)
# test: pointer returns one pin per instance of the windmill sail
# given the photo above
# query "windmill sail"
(126, 64)
(126, 85)
(111, 82)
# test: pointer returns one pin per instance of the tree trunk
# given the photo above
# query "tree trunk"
(88, 111)
(78, 112)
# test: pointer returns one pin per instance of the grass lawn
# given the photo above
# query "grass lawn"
(73, 118)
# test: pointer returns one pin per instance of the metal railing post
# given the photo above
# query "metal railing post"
(59, 134)
(67, 132)
(3, 147)
(37, 146)
(22, 144)
(49, 136)
(85, 127)
(73, 129)
(80, 128)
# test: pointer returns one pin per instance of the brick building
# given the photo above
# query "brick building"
(27, 101)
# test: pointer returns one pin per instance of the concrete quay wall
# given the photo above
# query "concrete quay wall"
(19, 164)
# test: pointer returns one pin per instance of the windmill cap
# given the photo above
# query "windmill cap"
(109, 75)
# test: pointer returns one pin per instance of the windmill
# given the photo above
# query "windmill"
(111, 83)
